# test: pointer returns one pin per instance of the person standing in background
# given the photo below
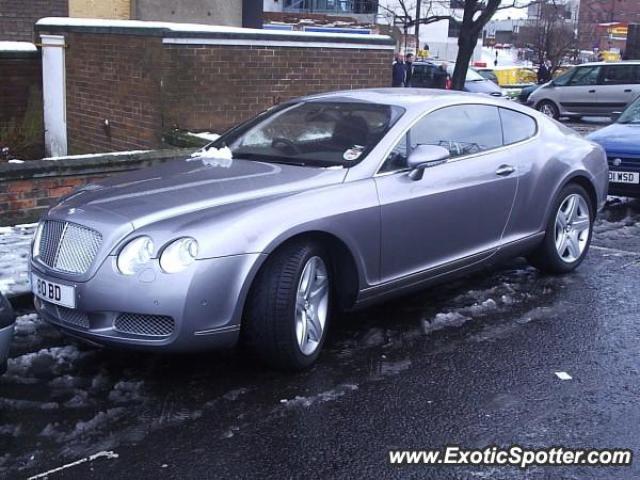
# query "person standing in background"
(408, 64)
(544, 75)
(399, 71)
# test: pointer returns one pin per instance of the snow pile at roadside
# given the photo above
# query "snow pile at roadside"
(7, 46)
(212, 137)
(15, 243)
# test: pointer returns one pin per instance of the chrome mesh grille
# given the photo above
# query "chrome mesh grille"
(68, 247)
(67, 315)
(148, 325)
(73, 317)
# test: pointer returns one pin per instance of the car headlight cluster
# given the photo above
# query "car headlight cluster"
(37, 238)
(175, 257)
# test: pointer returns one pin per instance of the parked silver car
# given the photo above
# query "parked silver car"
(592, 89)
(7, 320)
(331, 201)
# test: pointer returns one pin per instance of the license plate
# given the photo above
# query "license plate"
(53, 292)
(624, 177)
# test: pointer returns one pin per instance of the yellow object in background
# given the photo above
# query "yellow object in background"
(515, 75)
(114, 9)
(609, 56)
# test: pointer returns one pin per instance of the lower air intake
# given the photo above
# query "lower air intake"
(146, 325)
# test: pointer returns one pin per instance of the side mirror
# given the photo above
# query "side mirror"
(615, 116)
(425, 156)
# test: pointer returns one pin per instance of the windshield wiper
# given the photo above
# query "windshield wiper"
(268, 159)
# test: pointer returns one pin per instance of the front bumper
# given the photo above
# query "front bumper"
(201, 307)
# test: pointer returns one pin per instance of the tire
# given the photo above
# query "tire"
(548, 108)
(280, 324)
(564, 248)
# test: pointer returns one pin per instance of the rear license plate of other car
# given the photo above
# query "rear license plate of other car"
(624, 177)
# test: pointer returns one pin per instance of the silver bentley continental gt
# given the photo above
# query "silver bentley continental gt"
(327, 202)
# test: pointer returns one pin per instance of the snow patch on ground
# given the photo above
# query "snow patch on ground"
(7, 46)
(322, 397)
(212, 137)
(15, 245)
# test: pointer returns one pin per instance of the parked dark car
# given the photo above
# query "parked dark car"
(425, 75)
(621, 141)
(7, 320)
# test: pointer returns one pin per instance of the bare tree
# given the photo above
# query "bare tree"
(475, 15)
(552, 34)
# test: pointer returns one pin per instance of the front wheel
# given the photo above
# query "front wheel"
(287, 313)
(549, 109)
(568, 233)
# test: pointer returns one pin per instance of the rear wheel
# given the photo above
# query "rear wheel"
(288, 310)
(548, 108)
(568, 233)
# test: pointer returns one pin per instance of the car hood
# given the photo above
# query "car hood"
(483, 86)
(619, 139)
(183, 186)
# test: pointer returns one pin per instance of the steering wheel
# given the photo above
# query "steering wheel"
(284, 142)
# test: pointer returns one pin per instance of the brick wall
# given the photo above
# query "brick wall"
(593, 12)
(144, 84)
(27, 190)
(17, 17)
(214, 87)
(115, 78)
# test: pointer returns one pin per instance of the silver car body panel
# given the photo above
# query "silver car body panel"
(400, 233)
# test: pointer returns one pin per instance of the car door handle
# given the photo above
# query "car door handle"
(592, 91)
(505, 170)
(628, 90)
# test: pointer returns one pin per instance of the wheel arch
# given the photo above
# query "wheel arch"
(343, 263)
(585, 182)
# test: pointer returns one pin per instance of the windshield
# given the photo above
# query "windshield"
(472, 75)
(315, 133)
(631, 114)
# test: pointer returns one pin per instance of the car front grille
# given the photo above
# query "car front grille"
(147, 325)
(68, 247)
(67, 315)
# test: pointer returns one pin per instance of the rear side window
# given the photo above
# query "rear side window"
(462, 129)
(516, 126)
(620, 75)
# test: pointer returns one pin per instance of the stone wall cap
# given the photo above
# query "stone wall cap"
(169, 29)
(71, 164)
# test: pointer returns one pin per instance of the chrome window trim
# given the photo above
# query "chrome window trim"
(462, 157)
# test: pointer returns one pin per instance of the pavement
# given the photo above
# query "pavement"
(473, 362)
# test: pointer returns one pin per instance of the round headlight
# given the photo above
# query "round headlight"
(178, 255)
(135, 255)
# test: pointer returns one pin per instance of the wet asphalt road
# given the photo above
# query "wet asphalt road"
(472, 363)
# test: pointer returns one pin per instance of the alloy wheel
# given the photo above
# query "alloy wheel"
(572, 228)
(312, 303)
